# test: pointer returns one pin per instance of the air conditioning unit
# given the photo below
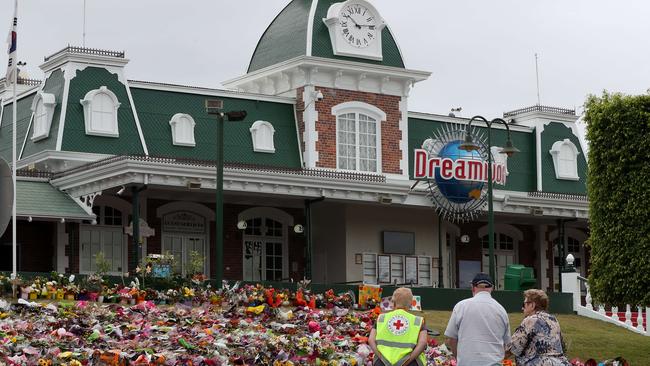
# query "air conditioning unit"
(385, 200)
(194, 185)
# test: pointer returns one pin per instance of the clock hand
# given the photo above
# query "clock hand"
(353, 21)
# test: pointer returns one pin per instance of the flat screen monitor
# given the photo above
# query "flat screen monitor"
(397, 242)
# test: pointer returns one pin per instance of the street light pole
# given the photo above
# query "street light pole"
(215, 107)
(509, 149)
(219, 201)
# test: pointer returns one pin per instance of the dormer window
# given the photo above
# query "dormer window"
(43, 108)
(262, 133)
(565, 158)
(358, 136)
(183, 130)
(100, 113)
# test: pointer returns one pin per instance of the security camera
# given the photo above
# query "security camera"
(119, 193)
(317, 95)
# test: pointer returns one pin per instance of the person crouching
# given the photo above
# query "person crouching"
(399, 337)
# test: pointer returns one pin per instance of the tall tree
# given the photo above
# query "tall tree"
(618, 131)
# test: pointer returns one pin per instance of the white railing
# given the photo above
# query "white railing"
(572, 283)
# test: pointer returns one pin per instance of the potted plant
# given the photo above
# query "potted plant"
(195, 267)
(93, 286)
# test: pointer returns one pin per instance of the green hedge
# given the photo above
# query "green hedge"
(618, 131)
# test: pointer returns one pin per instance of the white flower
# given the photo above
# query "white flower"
(71, 278)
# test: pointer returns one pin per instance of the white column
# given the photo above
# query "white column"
(571, 284)
(61, 242)
(310, 135)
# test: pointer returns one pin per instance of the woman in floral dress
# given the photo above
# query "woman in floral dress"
(538, 340)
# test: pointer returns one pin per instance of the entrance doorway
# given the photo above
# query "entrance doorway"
(108, 240)
(184, 233)
(265, 252)
(504, 254)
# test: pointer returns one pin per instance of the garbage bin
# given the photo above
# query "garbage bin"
(519, 277)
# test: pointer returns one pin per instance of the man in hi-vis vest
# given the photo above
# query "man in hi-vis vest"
(399, 338)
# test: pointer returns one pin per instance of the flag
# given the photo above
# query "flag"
(12, 66)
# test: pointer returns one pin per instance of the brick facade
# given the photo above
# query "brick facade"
(233, 239)
(391, 154)
(473, 251)
(300, 108)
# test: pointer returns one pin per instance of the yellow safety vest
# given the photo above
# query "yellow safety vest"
(397, 336)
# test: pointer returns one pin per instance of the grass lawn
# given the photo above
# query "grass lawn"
(585, 338)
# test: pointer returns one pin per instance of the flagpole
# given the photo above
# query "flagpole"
(13, 177)
(14, 63)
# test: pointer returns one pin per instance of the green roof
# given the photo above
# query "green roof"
(286, 38)
(156, 108)
(74, 136)
(41, 199)
(23, 117)
(553, 132)
(521, 166)
(53, 85)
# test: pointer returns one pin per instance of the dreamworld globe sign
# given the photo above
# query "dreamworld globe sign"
(457, 178)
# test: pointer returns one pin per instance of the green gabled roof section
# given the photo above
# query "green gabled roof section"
(41, 199)
(74, 135)
(157, 107)
(285, 38)
(522, 177)
(23, 117)
(53, 85)
(322, 45)
(553, 132)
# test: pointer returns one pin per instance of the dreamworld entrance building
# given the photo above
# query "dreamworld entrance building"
(319, 177)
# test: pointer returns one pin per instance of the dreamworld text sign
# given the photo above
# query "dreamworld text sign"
(459, 169)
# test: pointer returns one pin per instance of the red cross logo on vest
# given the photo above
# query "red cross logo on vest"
(398, 325)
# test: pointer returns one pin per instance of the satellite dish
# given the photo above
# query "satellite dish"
(6, 195)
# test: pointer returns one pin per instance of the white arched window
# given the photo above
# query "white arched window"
(43, 108)
(358, 136)
(182, 130)
(262, 133)
(565, 159)
(100, 112)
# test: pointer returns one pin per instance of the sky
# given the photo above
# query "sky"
(481, 53)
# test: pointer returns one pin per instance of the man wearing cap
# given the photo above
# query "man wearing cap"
(400, 337)
(478, 329)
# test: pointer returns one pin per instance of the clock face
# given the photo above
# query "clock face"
(358, 25)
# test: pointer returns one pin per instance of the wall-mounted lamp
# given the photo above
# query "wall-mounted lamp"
(63, 220)
(121, 191)
(242, 225)
(30, 219)
(299, 229)
(94, 222)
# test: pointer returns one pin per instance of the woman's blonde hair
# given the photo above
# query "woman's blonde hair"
(537, 297)
(402, 298)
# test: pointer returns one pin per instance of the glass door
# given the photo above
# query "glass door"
(253, 260)
(265, 257)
